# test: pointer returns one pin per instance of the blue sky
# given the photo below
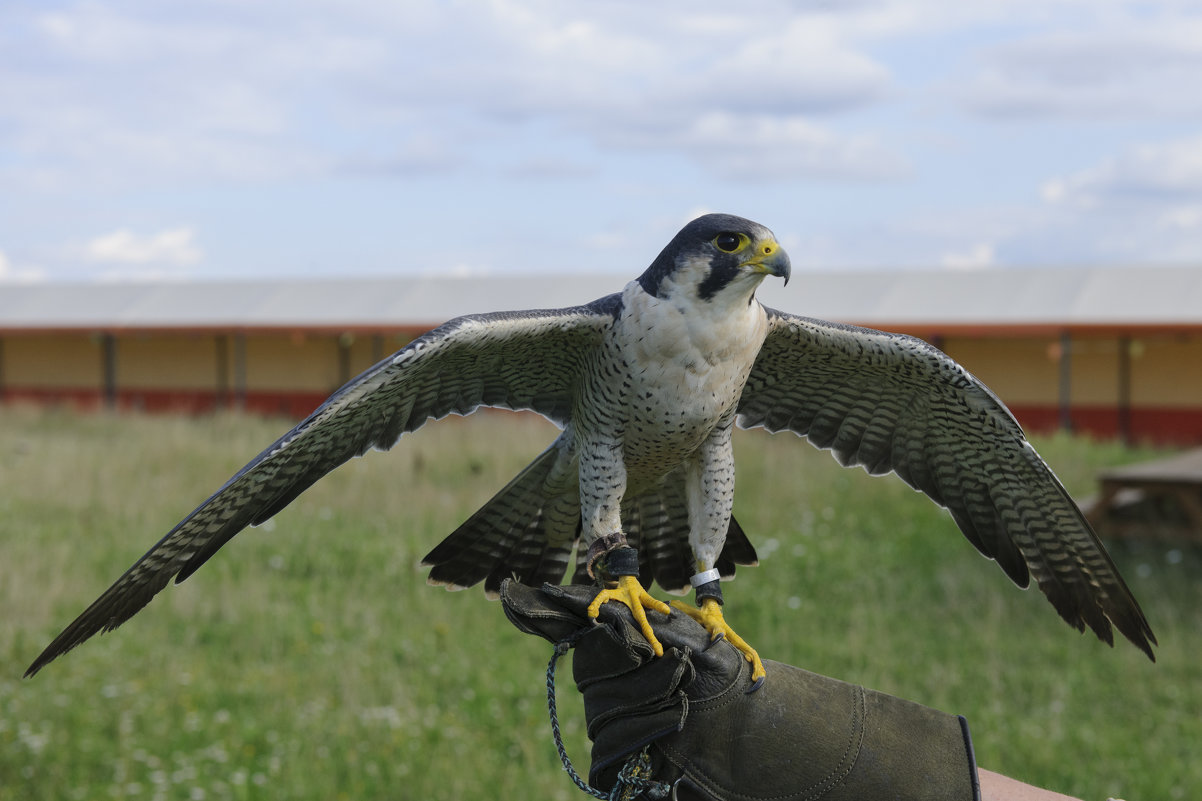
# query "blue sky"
(198, 140)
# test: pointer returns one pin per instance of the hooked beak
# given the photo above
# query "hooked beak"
(769, 258)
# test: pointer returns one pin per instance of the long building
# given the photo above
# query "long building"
(1114, 352)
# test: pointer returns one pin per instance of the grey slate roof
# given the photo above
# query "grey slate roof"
(1157, 296)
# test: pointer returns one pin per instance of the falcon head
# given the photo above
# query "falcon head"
(718, 256)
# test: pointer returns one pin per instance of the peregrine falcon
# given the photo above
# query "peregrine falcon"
(647, 385)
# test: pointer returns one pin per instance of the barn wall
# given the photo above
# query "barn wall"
(52, 368)
(167, 361)
(1019, 370)
(291, 372)
(1156, 396)
(55, 361)
(280, 373)
(1166, 371)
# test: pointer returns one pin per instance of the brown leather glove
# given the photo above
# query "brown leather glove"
(799, 736)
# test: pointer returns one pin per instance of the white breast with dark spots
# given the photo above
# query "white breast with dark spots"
(686, 366)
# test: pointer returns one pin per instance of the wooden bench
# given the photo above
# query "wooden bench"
(1154, 500)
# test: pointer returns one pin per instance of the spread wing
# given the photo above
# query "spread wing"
(888, 402)
(513, 360)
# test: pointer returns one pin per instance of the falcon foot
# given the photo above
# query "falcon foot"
(638, 600)
(710, 617)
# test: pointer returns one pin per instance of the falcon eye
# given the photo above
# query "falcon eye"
(729, 243)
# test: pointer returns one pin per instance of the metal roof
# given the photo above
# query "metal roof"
(1007, 298)
(1112, 296)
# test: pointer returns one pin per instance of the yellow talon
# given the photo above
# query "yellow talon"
(710, 616)
(638, 600)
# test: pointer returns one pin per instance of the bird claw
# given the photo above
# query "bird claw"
(630, 593)
(710, 617)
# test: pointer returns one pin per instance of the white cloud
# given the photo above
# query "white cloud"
(1109, 71)
(550, 168)
(171, 248)
(120, 97)
(260, 96)
(798, 68)
(979, 256)
(1141, 205)
(1154, 171)
(11, 273)
(776, 148)
(581, 117)
(1183, 218)
(419, 155)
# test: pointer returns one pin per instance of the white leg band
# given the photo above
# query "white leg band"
(705, 578)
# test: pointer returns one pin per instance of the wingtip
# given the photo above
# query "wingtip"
(67, 639)
(46, 657)
(1145, 644)
(1137, 632)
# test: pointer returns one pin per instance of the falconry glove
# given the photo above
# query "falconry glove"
(799, 736)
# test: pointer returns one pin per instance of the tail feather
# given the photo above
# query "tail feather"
(521, 532)
(644, 520)
(738, 550)
(665, 537)
(542, 550)
(527, 532)
(657, 524)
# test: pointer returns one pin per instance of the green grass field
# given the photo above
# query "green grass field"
(310, 660)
